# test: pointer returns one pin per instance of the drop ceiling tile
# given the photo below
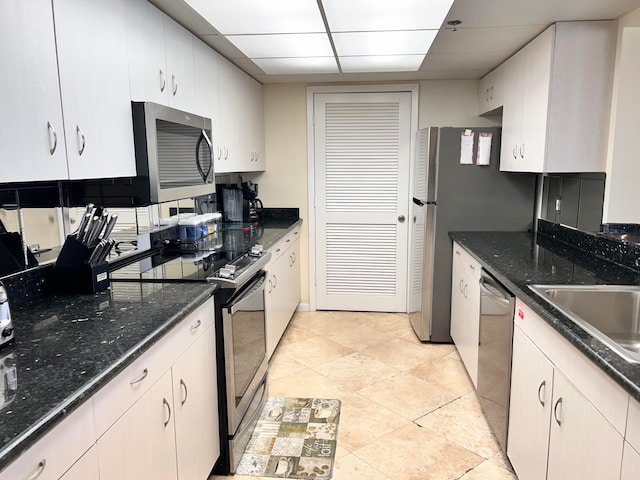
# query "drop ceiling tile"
(282, 66)
(409, 42)
(383, 63)
(367, 15)
(251, 16)
(288, 45)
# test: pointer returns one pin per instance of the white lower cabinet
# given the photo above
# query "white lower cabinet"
(583, 444)
(555, 431)
(283, 288)
(195, 399)
(58, 450)
(142, 443)
(630, 463)
(86, 468)
(530, 408)
(465, 308)
(171, 431)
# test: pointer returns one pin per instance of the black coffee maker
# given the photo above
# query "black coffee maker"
(251, 204)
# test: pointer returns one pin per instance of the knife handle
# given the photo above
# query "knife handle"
(112, 223)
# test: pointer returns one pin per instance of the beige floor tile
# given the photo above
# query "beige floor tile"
(315, 351)
(306, 383)
(352, 468)
(294, 334)
(360, 337)
(340, 450)
(363, 422)
(447, 372)
(414, 453)
(407, 395)
(282, 365)
(462, 421)
(489, 471)
(323, 323)
(356, 371)
(403, 355)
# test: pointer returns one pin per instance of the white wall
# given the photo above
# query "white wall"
(622, 195)
(284, 184)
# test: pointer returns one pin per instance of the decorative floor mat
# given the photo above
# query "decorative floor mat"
(294, 438)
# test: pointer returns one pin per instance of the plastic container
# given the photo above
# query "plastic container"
(191, 229)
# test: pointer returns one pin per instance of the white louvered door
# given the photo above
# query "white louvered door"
(362, 159)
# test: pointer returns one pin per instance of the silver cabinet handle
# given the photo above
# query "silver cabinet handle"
(140, 378)
(555, 411)
(163, 81)
(270, 286)
(82, 139)
(166, 404)
(542, 385)
(275, 281)
(295, 257)
(196, 325)
(515, 152)
(175, 84)
(457, 252)
(186, 392)
(52, 149)
(472, 267)
(465, 290)
(41, 464)
(460, 287)
(277, 250)
(522, 151)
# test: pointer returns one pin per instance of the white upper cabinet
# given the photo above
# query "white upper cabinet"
(32, 134)
(180, 74)
(490, 91)
(206, 81)
(556, 100)
(160, 56)
(92, 64)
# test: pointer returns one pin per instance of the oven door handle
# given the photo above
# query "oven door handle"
(257, 287)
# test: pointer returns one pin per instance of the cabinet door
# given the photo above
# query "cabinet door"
(529, 409)
(206, 79)
(512, 113)
(196, 408)
(535, 102)
(180, 69)
(472, 321)
(292, 279)
(228, 159)
(255, 120)
(84, 469)
(94, 81)
(146, 53)
(630, 463)
(457, 297)
(141, 444)
(32, 138)
(583, 444)
(490, 91)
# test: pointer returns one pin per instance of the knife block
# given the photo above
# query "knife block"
(72, 272)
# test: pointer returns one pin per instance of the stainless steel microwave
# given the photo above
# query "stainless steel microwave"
(173, 152)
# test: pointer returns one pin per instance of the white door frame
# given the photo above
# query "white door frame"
(412, 88)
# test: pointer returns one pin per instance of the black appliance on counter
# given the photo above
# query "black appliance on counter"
(237, 269)
(251, 204)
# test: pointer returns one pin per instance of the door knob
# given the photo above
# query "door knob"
(401, 218)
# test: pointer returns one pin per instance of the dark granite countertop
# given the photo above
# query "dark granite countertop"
(520, 259)
(69, 346)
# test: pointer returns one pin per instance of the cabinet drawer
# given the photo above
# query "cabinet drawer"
(466, 262)
(284, 243)
(633, 424)
(58, 450)
(605, 394)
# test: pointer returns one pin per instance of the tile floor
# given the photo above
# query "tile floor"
(409, 410)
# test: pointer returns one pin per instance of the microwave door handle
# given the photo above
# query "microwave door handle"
(203, 174)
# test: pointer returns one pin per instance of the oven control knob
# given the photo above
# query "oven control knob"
(230, 267)
(256, 250)
(226, 272)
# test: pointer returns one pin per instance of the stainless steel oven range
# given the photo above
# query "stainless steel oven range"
(240, 330)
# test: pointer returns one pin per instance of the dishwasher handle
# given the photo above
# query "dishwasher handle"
(504, 297)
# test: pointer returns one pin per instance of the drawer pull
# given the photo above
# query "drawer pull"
(186, 392)
(52, 149)
(196, 325)
(555, 411)
(142, 376)
(166, 404)
(41, 464)
(542, 385)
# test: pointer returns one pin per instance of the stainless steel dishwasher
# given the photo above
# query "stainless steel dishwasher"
(497, 306)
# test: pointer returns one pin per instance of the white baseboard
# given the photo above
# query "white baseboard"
(303, 307)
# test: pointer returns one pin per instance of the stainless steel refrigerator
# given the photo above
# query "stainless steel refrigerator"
(451, 196)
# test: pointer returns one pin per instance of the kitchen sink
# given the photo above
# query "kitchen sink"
(610, 313)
